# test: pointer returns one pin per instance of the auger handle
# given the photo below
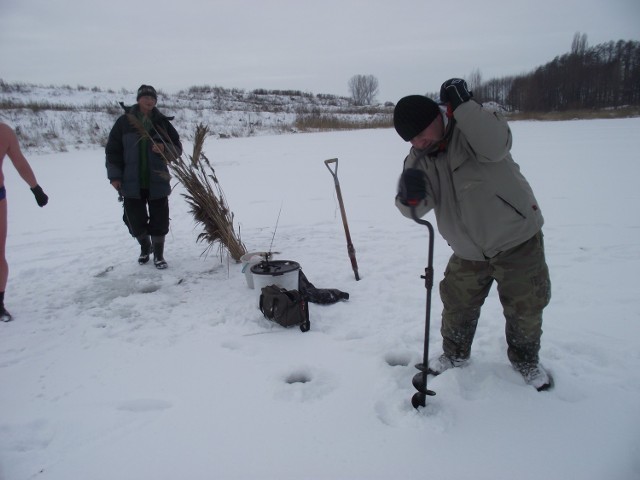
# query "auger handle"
(420, 379)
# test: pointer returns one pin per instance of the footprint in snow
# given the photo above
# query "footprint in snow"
(397, 359)
(304, 384)
(25, 437)
(144, 405)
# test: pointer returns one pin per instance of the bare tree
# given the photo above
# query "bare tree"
(579, 43)
(363, 88)
(475, 79)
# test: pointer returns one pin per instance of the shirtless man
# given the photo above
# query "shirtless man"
(9, 146)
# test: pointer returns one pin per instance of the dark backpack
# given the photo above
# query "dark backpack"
(285, 307)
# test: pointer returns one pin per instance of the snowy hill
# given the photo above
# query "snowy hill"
(54, 118)
(112, 370)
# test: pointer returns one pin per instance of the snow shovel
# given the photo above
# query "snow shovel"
(350, 250)
(420, 379)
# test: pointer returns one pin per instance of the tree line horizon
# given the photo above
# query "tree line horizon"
(606, 75)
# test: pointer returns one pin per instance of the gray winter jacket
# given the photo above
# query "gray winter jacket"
(483, 204)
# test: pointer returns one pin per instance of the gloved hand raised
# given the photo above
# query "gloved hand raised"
(455, 91)
(412, 187)
(41, 197)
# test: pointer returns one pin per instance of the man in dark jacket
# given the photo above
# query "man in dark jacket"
(140, 145)
(460, 167)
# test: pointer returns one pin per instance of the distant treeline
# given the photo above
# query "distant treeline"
(604, 76)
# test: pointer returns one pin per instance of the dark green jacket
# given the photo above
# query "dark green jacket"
(123, 154)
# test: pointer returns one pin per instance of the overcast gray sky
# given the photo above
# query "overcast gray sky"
(410, 46)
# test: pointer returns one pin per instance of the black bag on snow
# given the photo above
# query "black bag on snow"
(323, 296)
(285, 307)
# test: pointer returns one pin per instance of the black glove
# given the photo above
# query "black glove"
(41, 197)
(412, 187)
(455, 92)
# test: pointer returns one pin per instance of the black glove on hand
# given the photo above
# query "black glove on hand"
(413, 187)
(455, 92)
(41, 197)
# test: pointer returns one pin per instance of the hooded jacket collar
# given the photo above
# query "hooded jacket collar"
(155, 113)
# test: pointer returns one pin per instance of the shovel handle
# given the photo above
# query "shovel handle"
(333, 171)
(350, 249)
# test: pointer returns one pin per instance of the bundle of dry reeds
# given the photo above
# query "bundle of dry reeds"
(207, 201)
(203, 194)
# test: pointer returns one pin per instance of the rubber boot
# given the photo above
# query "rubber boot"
(145, 248)
(158, 253)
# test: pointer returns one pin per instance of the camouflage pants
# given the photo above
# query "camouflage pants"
(524, 289)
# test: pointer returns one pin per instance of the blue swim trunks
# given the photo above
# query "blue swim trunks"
(3, 193)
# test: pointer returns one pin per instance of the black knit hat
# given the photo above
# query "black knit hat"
(148, 91)
(413, 114)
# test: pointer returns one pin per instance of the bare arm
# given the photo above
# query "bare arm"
(9, 145)
(9, 139)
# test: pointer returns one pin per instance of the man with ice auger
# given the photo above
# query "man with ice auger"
(460, 166)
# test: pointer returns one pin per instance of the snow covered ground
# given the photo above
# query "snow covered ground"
(113, 370)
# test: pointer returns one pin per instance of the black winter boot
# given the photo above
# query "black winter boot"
(158, 253)
(145, 248)
(4, 315)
